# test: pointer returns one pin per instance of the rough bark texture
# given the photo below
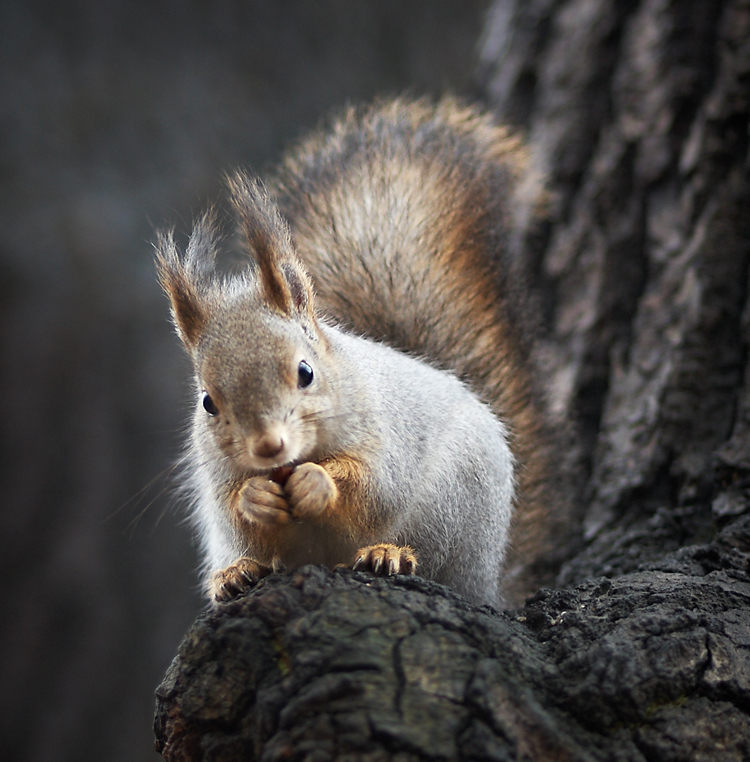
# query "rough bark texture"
(338, 665)
(638, 112)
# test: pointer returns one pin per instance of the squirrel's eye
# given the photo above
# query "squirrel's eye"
(208, 404)
(305, 374)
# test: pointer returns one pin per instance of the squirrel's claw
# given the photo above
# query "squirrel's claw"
(386, 560)
(240, 576)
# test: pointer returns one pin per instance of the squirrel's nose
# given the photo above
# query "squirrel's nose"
(269, 445)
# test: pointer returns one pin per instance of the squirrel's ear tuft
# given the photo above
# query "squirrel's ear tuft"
(284, 283)
(184, 278)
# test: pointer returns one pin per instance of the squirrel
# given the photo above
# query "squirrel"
(365, 390)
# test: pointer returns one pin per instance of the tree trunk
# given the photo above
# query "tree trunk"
(638, 113)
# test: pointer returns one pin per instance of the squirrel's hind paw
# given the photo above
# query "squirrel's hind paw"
(236, 579)
(385, 560)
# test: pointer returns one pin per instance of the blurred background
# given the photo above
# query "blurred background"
(117, 118)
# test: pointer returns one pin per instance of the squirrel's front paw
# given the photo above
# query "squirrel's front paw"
(263, 500)
(243, 574)
(310, 490)
(386, 559)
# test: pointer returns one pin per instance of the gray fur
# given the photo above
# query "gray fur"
(444, 470)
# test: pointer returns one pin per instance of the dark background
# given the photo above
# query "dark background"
(117, 118)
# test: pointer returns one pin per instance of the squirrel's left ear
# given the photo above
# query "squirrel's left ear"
(284, 283)
(184, 278)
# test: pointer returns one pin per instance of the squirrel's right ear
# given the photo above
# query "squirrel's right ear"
(283, 280)
(185, 278)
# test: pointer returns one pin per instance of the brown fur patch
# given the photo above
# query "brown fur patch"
(351, 512)
(336, 533)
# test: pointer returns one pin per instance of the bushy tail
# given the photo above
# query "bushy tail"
(404, 215)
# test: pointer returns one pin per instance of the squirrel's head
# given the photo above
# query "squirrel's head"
(254, 338)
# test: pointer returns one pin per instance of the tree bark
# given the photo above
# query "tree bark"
(319, 665)
(638, 113)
